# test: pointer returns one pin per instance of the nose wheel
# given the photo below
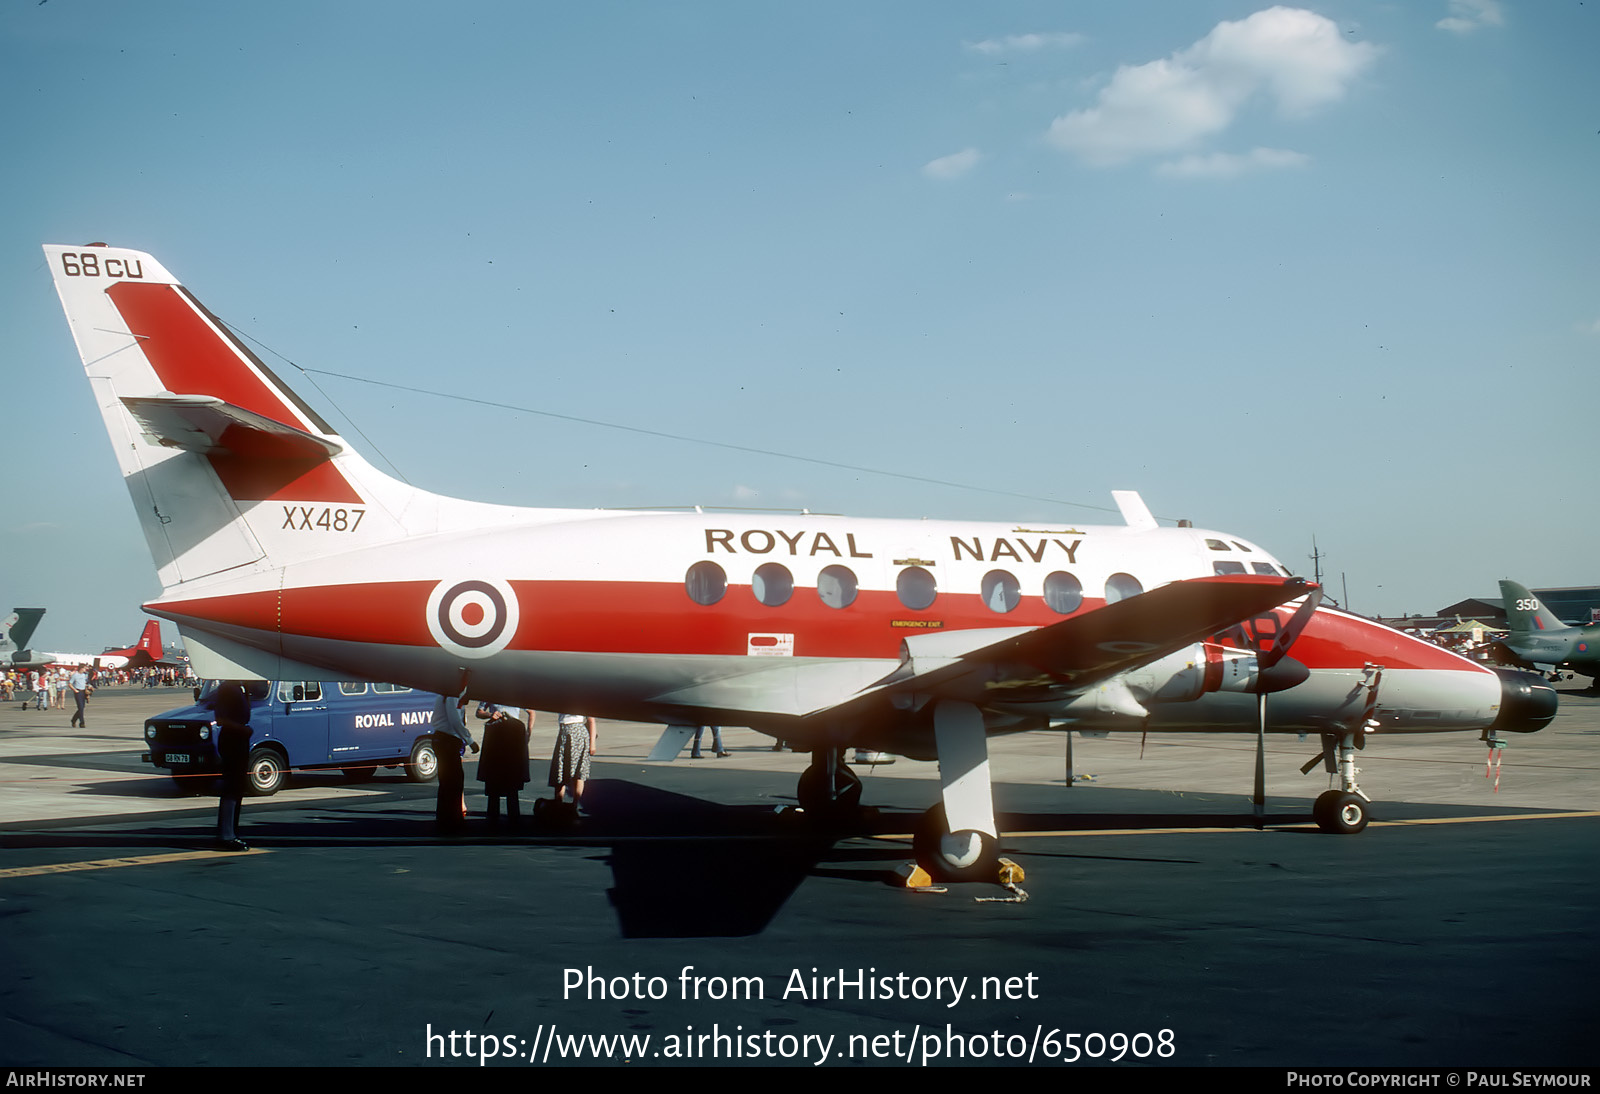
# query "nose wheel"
(1340, 811)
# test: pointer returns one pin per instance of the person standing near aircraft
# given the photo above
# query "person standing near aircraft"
(503, 767)
(716, 742)
(576, 740)
(450, 737)
(232, 720)
(79, 682)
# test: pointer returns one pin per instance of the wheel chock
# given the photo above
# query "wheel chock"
(916, 878)
(1008, 877)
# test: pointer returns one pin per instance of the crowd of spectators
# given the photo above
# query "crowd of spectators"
(48, 686)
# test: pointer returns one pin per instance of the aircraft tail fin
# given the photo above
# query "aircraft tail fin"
(1526, 613)
(230, 472)
(149, 642)
(19, 628)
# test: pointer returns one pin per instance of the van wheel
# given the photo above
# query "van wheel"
(424, 766)
(267, 771)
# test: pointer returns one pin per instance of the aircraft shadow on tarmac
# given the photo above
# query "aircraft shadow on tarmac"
(682, 866)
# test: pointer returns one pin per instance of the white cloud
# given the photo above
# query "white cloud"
(1296, 60)
(1467, 16)
(1025, 43)
(1229, 164)
(952, 166)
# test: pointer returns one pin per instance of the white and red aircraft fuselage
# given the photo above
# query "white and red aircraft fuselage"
(146, 651)
(282, 554)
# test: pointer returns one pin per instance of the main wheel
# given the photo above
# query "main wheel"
(267, 771)
(955, 856)
(1340, 812)
(424, 765)
(812, 790)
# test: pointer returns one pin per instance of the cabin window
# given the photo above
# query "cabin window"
(1229, 567)
(1063, 593)
(1001, 592)
(916, 588)
(836, 586)
(772, 584)
(385, 689)
(706, 582)
(1121, 587)
(348, 687)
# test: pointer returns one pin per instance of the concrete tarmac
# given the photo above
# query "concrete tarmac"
(689, 919)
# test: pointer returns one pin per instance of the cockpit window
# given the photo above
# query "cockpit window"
(1216, 545)
(1229, 567)
(1264, 568)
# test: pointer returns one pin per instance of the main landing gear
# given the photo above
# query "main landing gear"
(964, 855)
(828, 788)
(956, 840)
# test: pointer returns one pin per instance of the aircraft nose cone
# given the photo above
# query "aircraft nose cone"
(1527, 702)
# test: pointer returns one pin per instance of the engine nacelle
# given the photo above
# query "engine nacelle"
(1193, 671)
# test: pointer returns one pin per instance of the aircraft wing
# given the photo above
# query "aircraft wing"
(1085, 650)
(993, 664)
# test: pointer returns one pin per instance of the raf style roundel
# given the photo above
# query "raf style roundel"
(475, 618)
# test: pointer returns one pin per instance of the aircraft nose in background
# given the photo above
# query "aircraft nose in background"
(1527, 702)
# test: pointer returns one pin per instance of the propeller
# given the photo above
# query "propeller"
(1277, 671)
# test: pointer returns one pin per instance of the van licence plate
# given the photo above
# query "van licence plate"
(177, 757)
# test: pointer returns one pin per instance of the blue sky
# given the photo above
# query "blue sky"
(1300, 271)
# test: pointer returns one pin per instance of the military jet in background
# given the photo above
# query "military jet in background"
(19, 627)
(1539, 640)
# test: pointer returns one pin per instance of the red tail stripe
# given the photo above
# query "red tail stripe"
(188, 355)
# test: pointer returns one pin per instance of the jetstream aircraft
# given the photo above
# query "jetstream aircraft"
(283, 554)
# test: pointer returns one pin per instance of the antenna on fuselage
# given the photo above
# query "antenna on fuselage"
(1316, 557)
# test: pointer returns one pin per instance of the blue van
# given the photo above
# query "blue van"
(355, 727)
